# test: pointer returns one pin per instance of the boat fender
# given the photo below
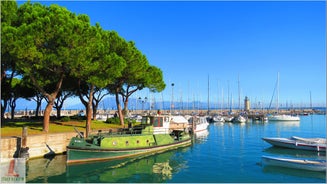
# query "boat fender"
(114, 143)
(295, 143)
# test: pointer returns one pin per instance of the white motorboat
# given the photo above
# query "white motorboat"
(313, 144)
(239, 119)
(228, 118)
(304, 164)
(218, 118)
(198, 123)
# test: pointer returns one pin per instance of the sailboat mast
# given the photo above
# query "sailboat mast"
(208, 95)
(239, 94)
(277, 93)
(310, 101)
(228, 95)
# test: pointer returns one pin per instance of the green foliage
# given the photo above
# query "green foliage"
(65, 119)
(8, 11)
(78, 118)
(115, 120)
(49, 44)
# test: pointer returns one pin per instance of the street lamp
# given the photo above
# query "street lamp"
(172, 98)
(143, 101)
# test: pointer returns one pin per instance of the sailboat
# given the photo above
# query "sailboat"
(281, 117)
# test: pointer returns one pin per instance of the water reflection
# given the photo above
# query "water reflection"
(293, 172)
(164, 169)
(155, 168)
(295, 153)
(201, 136)
(287, 124)
(42, 168)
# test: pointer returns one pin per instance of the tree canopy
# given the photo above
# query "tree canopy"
(49, 45)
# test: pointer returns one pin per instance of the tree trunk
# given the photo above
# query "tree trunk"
(94, 109)
(120, 114)
(88, 118)
(89, 112)
(13, 106)
(4, 107)
(47, 113)
(58, 111)
(125, 110)
(51, 98)
(38, 108)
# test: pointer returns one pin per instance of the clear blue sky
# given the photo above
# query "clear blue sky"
(254, 41)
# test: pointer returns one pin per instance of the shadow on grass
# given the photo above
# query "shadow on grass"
(22, 123)
(80, 125)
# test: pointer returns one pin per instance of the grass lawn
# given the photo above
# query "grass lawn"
(14, 128)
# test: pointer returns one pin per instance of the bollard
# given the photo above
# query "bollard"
(23, 153)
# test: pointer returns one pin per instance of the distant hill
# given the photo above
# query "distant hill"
(110, 104)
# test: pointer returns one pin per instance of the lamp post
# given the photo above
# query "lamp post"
(172, 98)
(143, 101)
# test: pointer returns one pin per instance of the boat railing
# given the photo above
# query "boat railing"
(139, 130)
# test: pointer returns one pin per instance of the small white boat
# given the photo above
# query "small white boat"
(228, 118)
(218, 118)
(239, 119)
(299, 143)
(304, 164)
(199, 123)
(283, 117)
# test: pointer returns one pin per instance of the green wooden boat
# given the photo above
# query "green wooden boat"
(155, 134)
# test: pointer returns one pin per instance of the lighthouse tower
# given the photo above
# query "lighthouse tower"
(247, 104)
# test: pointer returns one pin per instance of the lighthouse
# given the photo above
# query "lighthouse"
(247, 104)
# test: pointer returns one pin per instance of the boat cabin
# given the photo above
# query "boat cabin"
(160, 123)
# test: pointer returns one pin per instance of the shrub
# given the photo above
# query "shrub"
(65, 119)
(116, 121)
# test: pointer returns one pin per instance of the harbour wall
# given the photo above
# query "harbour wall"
(39, 145)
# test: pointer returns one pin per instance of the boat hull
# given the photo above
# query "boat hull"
(295, 144)
(311, 165)
(78, 155)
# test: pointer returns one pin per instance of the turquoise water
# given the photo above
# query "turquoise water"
(225, 153)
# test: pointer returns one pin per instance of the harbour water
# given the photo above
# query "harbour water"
(225, 153)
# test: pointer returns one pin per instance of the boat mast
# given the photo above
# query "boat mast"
(310, 101)
(239, 94)
(228, 100)
(222, 99)
(277, 106)
(208, 96)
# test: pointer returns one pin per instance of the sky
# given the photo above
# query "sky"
(240, 46)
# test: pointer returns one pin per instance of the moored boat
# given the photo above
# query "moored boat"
(296, 143)
(228, 118)
(239, 119)
(304, 164)
(153, 135)
(218, 118)
(198, 123)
